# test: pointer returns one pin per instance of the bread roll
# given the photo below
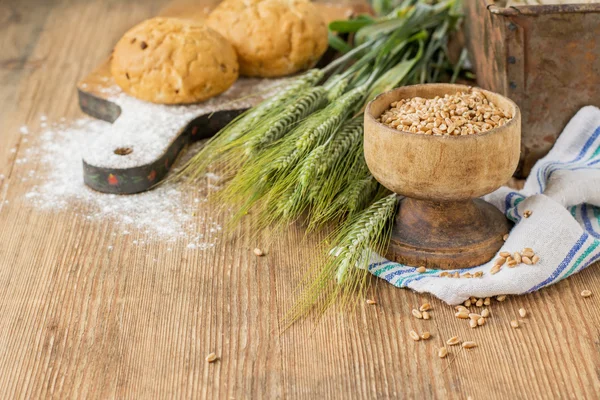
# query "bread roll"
(272, 37)
(172, 61)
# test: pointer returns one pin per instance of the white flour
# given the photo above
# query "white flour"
(167, 213)
(148, 128)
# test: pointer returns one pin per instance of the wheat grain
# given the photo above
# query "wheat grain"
(522, 312)
(467, 112)
(469, 345)
(442, 352)
(517, 257)
(414, 336)
(425, 307)
(586, 293)
(417, 314)
(453, 341)
(211, 358)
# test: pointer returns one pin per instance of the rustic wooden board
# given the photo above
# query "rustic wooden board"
(77, 321)
(96, 89)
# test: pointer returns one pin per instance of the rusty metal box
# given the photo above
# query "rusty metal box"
(544, 57)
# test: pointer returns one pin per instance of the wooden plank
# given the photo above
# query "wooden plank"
(78, 321)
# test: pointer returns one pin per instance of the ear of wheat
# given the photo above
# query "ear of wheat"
(343, 271)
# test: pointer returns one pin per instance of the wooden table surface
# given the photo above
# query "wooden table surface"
(77, 321)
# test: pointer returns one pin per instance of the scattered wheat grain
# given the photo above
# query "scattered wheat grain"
(453, 341)
(522, 312)
(462, 315)
(586, 293)
(517, 257)
(469, 345)
(417, 314)
(414, 336)
(442, 352)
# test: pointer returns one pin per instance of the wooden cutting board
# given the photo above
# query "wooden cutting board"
(136, 153)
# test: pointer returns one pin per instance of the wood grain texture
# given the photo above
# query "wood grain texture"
(78, 321)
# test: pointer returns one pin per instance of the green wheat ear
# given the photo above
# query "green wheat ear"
(343, 272)
(198, 165)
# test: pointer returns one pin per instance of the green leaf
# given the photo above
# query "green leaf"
(351, 25)
(395, 75)
(338, 44)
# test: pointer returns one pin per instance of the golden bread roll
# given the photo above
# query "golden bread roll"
(272, 37)
(172, 61)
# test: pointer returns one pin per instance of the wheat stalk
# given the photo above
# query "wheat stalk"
(343, 273)
(220, 144)
(275, 128)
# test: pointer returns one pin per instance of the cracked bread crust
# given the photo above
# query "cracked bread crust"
(172, 61)
(272, 37)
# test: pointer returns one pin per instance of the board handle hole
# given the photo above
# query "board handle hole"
(123, 151)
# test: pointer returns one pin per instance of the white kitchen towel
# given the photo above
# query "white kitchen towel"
(563, 194)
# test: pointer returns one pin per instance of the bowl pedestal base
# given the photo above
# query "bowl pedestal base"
(447, 235)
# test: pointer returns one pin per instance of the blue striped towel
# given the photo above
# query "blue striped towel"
(563, 193)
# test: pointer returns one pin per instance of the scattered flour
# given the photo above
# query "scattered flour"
(168, 213)
(148, 129)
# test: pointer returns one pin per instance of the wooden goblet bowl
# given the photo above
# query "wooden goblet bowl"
(442, 223)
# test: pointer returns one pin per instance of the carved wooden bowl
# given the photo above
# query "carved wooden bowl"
(441, 222)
